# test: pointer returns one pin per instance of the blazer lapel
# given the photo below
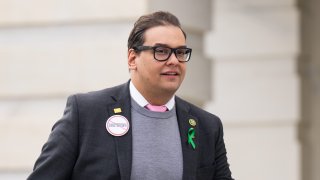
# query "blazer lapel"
(123, 143)
(190, 155)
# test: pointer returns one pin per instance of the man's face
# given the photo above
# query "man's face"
(153, 77)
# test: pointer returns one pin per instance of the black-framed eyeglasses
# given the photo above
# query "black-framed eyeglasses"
(162, 53)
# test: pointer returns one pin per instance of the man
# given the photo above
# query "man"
(138, 130)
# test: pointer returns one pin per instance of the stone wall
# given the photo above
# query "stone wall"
(256, 88)
(51, 49)
(247, 63)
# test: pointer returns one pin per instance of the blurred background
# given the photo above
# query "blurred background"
(256, 64)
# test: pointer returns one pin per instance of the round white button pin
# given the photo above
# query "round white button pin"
(117, 125)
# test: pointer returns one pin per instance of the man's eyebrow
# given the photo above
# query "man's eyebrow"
(166, 45)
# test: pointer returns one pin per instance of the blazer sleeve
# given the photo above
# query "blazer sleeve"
(59, 153)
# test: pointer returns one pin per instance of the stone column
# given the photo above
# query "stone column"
(195, 17)
(254, 46)
(310, 96)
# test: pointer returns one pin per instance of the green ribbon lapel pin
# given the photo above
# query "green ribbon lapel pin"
(191, 136)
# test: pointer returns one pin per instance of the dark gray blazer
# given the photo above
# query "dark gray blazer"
(79, 146)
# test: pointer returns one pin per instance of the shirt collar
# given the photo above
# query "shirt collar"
(137, 96)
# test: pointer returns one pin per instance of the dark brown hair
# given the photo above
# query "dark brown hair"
(159, 18)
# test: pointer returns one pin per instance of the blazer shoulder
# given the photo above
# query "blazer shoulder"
(202, 115)
(195, 110)
(104, 96)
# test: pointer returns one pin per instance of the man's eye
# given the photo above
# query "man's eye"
(182, 51)
(162, 50)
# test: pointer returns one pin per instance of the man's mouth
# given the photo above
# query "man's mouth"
(170, 73)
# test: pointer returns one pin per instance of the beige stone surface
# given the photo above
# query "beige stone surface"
(194, 15)
(256, 90)
(254, 30)
(62, 60)
(263, 151)
(256, 86)
(34, 12)
(24, 127)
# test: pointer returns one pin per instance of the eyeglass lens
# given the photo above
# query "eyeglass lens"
(163, 53)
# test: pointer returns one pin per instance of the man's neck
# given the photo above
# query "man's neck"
(143, 98)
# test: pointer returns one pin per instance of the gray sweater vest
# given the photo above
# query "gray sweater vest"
(156, 145)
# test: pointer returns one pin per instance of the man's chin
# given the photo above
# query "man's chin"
(171, 88)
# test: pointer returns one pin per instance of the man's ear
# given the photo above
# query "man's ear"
(132, 56)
